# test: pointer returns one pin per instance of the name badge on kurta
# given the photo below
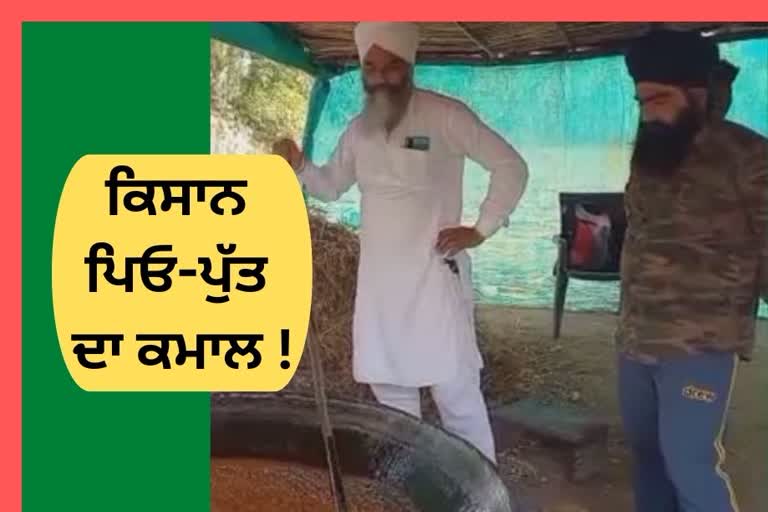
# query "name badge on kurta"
(417, 143)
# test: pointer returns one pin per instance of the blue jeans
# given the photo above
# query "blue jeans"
(674, 414)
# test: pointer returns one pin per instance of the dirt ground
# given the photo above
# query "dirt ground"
(585, 350)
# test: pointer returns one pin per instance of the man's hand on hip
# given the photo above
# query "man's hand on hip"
(288, 149)
(453, 240)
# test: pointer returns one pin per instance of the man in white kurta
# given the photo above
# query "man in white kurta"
(414, 311)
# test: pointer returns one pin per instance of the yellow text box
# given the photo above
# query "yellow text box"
(141, 295)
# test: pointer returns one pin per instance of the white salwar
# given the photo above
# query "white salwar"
(414, 318)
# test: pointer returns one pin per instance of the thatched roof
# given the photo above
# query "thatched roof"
(505, 42)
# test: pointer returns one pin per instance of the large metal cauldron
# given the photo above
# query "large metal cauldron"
(437, 471)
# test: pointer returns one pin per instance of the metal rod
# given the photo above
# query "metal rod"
(332, 457)
(475, 39)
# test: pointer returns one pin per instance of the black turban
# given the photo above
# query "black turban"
(725, 72)
(673, 57)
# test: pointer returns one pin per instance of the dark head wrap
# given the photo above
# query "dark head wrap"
(724, 71)
(672, 57)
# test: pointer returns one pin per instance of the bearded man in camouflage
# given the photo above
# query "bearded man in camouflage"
(694, 263)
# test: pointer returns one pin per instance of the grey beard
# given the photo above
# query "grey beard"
(381, 111)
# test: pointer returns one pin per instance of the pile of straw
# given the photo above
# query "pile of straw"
(335, 255)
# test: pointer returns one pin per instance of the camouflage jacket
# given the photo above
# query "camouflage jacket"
(695, 256)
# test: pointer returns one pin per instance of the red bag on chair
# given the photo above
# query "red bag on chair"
(581, 247)
(590, 244)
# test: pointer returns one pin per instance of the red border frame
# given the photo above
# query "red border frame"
(335, 10)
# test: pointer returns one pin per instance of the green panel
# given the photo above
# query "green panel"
(104, 88)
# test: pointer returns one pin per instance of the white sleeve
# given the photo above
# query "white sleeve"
(509, 173)
(328, 182)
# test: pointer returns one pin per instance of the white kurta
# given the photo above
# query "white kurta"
(414, 318)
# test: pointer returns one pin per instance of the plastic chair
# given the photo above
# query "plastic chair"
(610, 203)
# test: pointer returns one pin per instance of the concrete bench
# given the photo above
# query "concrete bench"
(582, 435)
